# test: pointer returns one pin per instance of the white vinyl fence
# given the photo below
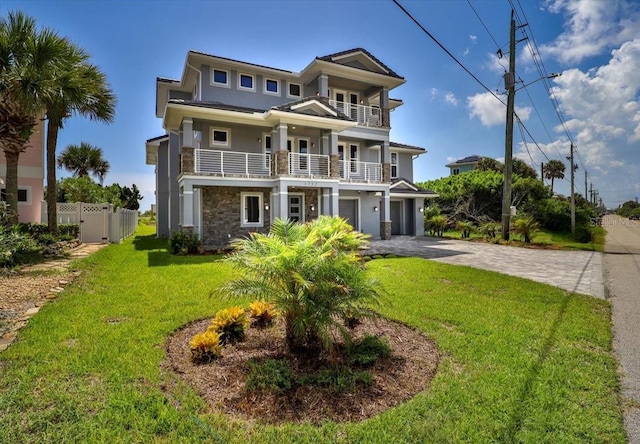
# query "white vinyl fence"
(98, 222)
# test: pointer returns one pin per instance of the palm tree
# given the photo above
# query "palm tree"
(29, 60)
(83, 90)
(554, 169)
(312, 273)
(526, 226)
(84, 159)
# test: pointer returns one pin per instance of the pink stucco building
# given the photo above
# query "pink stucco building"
(30, 177)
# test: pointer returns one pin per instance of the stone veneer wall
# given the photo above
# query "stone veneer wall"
(221, 215)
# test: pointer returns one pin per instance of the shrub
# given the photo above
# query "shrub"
(489, 229)
(314, 275)
(526, 226)
(17, 248)
(466, 227)
(183, 242)
(230, 324)
(436, 225)
(271, 374)
(68, 231)
(368, 350)
(583, 234)
(205, 347)
(262, 313)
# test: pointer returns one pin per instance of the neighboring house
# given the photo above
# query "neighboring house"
(247, 143)
(463, 165)
(30, 177)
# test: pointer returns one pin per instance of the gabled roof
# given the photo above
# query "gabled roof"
(315, 105)
(401, 187)
(469, 160)
(355, 52)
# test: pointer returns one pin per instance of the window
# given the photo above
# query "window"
(220, 77)
(266, 147)
(251, 210)
(394, 165)
(353, 157)
(295, 90)
(456, 171)
(303, 149)
(246, 82)
(271, 87)
(23, 196)
(219, 137)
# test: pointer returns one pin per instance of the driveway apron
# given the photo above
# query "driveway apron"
(577, 271)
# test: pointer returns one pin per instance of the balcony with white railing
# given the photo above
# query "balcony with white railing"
(310, 165)
(364, 115)
(360, 171)
(231, 163)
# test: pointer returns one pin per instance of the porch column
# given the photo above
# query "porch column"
(187, 133)
(334, 156)
(418, 204)
(279, 147)
(323, 85)
(385, 213)
(384, 106)
(186, 210)
(386, 161)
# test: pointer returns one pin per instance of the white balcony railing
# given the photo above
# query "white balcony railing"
(231, 163)
(360, 171)
(313, 165)
(364, 115)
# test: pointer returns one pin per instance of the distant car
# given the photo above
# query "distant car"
(634, 218)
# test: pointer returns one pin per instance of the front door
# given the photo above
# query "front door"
(296, 207)
(396, 217)
(348, 210)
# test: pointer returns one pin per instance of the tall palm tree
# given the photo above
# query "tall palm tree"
(29, 60)
(83, 160)
(554, 169)
(83, 91)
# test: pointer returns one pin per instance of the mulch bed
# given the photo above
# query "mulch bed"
(409, 370)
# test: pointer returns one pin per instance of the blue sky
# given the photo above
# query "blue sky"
(595, 44)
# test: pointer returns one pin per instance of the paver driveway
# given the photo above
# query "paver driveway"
(577, 271)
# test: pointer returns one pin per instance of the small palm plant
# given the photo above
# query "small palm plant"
(526, 226)
(312, 273)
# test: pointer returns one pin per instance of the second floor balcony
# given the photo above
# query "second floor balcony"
(365, 115)
(244, 165)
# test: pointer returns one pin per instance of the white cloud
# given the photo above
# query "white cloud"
(446, 96)
(592, 27)
(491, 111)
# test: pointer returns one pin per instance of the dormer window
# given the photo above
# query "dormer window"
(246, 82)
(220, 77)
(295, 90)
(272, 87)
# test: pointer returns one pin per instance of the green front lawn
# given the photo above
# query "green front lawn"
(522, 361)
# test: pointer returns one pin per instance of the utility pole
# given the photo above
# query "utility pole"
(510, 85)
(585, 186)
(591, 199)
(573, 197)
(542, 171)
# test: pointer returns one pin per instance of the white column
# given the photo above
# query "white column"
(187, 205)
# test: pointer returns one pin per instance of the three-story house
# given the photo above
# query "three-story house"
(247, 143)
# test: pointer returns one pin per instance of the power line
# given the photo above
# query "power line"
(437, 42)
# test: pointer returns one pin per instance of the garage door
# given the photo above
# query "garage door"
(348, 210)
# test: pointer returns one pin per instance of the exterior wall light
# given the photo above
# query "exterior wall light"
(375, 208)
(313, 208)
(266, 207)
(421, 210)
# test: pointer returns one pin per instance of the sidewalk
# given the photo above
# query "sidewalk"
(24, 293)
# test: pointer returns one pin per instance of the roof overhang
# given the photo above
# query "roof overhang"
(151, 149)
(176, 112)
(425, 194)
(348, 72)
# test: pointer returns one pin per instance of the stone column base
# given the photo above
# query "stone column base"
(385, 230)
